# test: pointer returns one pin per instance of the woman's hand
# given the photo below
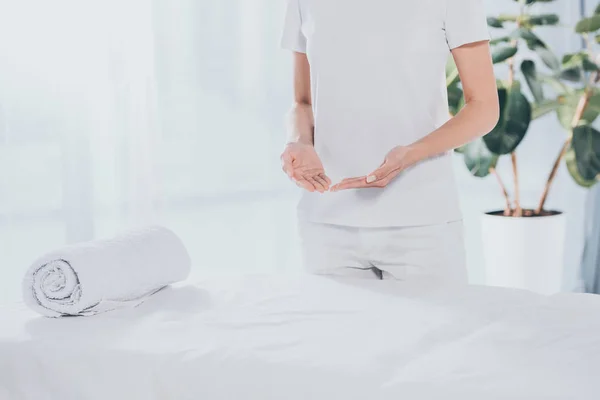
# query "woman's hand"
(396, 161)
(302, 165)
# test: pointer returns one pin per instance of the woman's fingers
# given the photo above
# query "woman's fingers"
(326, 179)
(322, 181)
(305, 181)
(368, 181)
(318, 186)
(307, 177)
(385, 170)
(390, 177)
(287, 171)
(304, 184)
(319, 182)
(351, 183)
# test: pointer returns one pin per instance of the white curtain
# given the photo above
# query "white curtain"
(121, 113)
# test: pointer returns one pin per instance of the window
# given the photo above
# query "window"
(118, 114)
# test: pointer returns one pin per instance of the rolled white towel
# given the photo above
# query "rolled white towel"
(103, 275)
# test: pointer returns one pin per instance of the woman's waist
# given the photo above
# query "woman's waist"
(347, 163)
(402, 203)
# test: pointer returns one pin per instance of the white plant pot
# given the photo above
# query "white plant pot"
(524, 253)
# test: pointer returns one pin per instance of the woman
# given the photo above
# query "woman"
(371, 114)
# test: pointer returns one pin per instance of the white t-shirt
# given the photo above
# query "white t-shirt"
(378, 81)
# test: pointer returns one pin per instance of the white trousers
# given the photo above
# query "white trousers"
(430, 253)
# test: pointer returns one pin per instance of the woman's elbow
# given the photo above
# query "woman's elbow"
(485, 110)
(491, 113)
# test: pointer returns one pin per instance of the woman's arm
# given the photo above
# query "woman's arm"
(479, 116)
(481, 112)
(300, 124)
(299, 159)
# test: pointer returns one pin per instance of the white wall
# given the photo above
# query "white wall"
(535, 156)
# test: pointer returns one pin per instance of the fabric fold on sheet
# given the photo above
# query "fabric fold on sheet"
(94, 277)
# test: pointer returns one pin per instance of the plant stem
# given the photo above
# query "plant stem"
(588, 43)
(562, 153)
(507, 209)
(511, 67)
(583, 103)
(518, 210)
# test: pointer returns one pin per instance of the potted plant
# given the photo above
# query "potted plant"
(524, 247)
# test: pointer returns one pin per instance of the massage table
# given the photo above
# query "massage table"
(310, 338)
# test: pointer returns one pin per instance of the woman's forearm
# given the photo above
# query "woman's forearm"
(300, 124)
(476, 119)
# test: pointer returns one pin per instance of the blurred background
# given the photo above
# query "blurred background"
(115, 114)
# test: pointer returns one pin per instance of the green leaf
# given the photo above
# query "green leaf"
(529, 71)
(478, 158)
(503, 53)
(572, 75)
(586, 145)
(494, 22)
(542, 19)
(503, 39)
(593, 109)
(544, 108)
(455, 95)
(451, 71)
(597, 38)
(536, 44)
(590, 66)
(571, 60)
(571, 161)
(587, 25)
(515, 116)
(579, 60)
(573, 66)
(559, 87)
(568, 108)
(508, 18)
(548, 58)
(501, 84)
(597, 10)
(527, 35)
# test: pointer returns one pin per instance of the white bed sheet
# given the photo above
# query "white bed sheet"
(265, 337)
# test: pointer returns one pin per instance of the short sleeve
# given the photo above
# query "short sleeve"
(292, 37)
(465, 22)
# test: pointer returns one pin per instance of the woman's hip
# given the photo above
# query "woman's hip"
(422, 252)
